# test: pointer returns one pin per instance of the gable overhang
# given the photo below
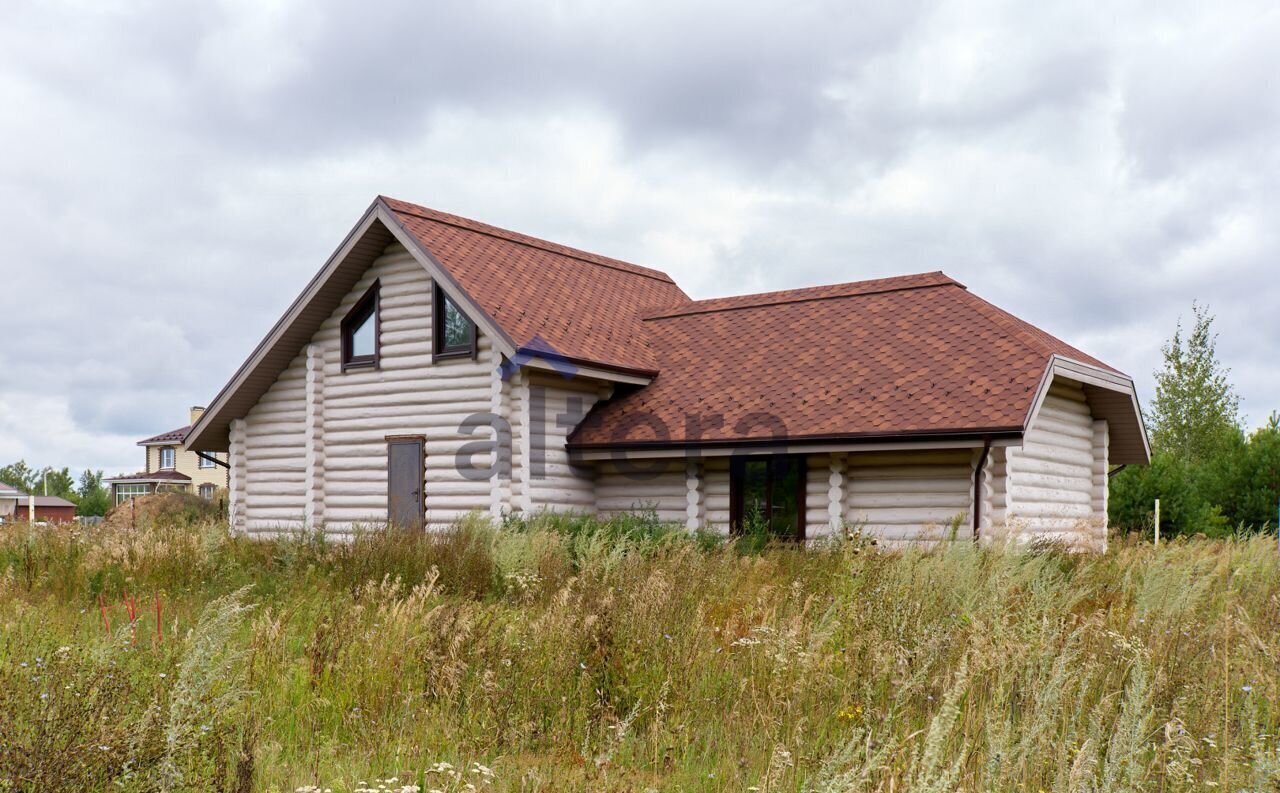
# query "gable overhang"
(1111, 396)
(378, 228)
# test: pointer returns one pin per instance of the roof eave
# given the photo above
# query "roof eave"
(1134, 448)
(864, 442)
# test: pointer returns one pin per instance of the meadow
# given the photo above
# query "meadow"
(568, 654)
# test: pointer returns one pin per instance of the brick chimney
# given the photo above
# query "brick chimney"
(196, 413)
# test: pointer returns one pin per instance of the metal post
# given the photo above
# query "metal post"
(31, 510)
(1157, 523)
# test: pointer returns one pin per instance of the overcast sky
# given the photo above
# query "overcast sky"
(171, 175)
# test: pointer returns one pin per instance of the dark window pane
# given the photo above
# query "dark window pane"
(362, 337)
(458, 330)
(785, 519)
(755, 493)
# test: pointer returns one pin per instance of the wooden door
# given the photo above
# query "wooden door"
(405, 501)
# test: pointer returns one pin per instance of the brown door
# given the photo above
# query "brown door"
(404, 482)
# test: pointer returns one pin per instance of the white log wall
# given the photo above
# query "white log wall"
(555, 405)
(995, 486)
(715, 472)
(1101, 467)
(658, 485)
(904, 498)
(235, 477)
(331, 444)
(1051, 475)
(817, 513)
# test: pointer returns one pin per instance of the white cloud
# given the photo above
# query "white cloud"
(176, 175)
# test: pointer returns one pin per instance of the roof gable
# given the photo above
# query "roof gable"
(528, 295)
(547, 297)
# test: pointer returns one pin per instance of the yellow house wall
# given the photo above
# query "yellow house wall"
(186, 462)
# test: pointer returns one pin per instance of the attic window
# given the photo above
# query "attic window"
(455, 334)
(360, 332)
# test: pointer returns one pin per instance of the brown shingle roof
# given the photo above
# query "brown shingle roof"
(165, 437)
(154, 476)
(913, 355)
(586, 307)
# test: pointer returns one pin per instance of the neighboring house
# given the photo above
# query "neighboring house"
(437, 366)
(15, 506)
(9, 496)
(171, 467)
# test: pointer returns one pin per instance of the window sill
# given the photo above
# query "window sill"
(360, 366)
(451, 354)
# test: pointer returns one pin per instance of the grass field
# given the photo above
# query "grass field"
(564, 655)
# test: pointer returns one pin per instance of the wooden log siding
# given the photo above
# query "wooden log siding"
(555, 405)
(663, 488)
(904, 498)
(994, 494)
(1101, 466)
(1051, 475)
(332, 443)
(235, 477)
(715, 472)
(817, 514)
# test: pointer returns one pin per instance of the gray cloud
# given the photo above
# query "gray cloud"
(176, 174)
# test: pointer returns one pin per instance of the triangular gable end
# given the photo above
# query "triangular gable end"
(1111, 396)
(377, 228)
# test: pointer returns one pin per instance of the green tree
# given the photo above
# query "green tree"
(95, 499)
(1200, 457)
(1195, 414)
(19, 475)
(1246, 480)
(57, 482)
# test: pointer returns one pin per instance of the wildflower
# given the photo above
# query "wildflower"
(1246, 689)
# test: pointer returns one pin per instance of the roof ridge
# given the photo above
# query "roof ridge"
(692, 308)
(490, 230)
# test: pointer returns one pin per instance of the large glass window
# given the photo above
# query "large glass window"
(168, 457)
(766, 495)
(454, 334)
(126, 492)
(360, 331)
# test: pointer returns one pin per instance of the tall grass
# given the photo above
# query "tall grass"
(565, 653)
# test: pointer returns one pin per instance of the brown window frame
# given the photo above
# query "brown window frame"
(737, 470)
(370, 301)
(438, 349)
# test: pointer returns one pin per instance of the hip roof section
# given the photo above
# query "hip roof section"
(913, 355)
